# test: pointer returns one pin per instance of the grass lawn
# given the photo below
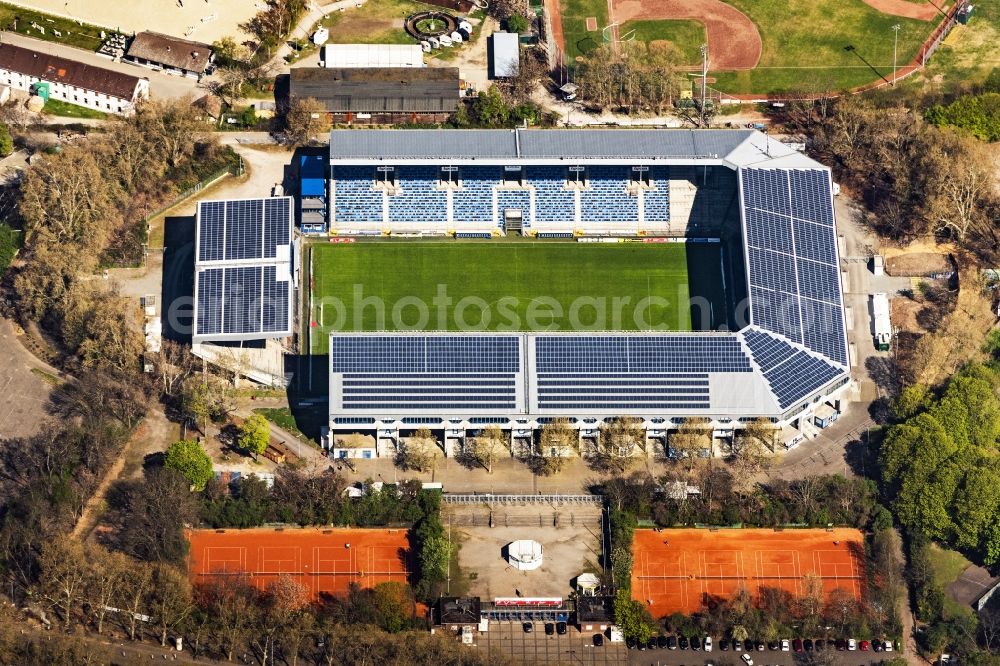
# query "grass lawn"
(574, 22)
(687, 36)
(376, 22)
(55, 107)
(19, 19)
(503, 286)
(804, 44)
(967, 56)
(947, 566)
(284, 419)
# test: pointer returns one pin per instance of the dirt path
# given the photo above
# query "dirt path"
(555, 19)
(905, 8)
(733, 39)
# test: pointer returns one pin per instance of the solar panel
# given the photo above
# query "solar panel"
(819, 281)
(639, 354)
(776, 312)
(823, 329)
(209, 318)
(424, 354)
(772, 270)
(768, 350)
(767, 230)
(816, 242)
(811, 190)
(798, 376)
(211, 228)
(253, 298)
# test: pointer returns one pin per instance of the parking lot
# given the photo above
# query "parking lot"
(663, 657)
(574, 647)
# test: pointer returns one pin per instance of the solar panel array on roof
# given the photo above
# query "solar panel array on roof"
(791, 373)
(435, 372)
(792, 257)
(243, 269)
(639, 354)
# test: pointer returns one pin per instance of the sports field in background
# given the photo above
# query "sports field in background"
(675, 569)
(325, 562)
(521, 286)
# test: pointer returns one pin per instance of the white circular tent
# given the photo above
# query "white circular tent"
(524, 555)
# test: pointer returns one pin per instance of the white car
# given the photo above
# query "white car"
(708, 643)
(852, 644)
(784, 645)
(887, 646)
(747, 660)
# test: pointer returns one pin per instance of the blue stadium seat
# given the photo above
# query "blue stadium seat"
(420, 200)
(356, 198)
(656, 202)
(553, 202)
(606, 199)
(473, 202)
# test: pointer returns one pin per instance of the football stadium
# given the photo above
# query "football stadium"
(512, 277)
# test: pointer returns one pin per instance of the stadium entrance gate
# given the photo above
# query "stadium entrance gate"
(526, 609)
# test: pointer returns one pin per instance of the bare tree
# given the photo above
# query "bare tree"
(63, 576)
(170, 602)
(689, 440)
(107, 574)
(488, 446)
(622, 440)
(306, 118)
(420, 452)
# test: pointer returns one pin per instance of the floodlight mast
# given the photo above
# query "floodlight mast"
(895, 42)
(704, 77)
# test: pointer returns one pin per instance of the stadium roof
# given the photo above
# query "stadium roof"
(794, 348)
(243, 270)
(733, 147)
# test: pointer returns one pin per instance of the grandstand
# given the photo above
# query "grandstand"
(779, 353)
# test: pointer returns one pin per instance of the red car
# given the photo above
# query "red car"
(863, 645)
(797, 645)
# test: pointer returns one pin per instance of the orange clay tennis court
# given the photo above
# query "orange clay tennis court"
(319, 559)
(675, 569)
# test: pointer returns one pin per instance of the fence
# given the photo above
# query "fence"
(231, 170)
(489, 498)
(541, 520)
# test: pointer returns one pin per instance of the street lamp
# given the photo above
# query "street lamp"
(895, 41)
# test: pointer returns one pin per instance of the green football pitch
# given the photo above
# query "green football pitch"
(506, 286)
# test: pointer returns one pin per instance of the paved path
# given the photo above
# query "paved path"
(23, 393)
(160, 85)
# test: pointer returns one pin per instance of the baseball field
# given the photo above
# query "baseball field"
(760, 46)
(675, 570)
(509, 286)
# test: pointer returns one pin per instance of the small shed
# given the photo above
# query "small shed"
(506, 55)
(170, 54)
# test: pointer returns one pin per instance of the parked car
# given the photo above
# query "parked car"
(784, 645)
(887, 646)
(528, 627)
(737, 645)
(549, 628)
(598, 640)
(708, 643)
(561, 628)
(864, 646)
(651, 644)
(671, 642)
(695, 643)
(852, 644)
(661, 641)
(724, 644)
(746, 659)
(760, 646)
(820, 644)
(796, 645)
(841, 644)
(682, 641)
(807, 645)
(748, 645)
(773, 646)
(876, 646)
(629, 643)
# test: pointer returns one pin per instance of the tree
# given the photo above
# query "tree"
(753, 450)
(255, 434)
(189, 458)
(419, 452)
(170, 601)
(107, 575)
(632, 617)
(196, 401)
(233, 602)
(63, 576)
(151, 515)
(621, 440)
(393, 605)
(6, 141)
(517, 23)
(487, 447)
(690, 440)
(305, 119)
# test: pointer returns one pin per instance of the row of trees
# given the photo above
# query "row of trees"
(915, 179)
(637, 76)
(938, 462)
